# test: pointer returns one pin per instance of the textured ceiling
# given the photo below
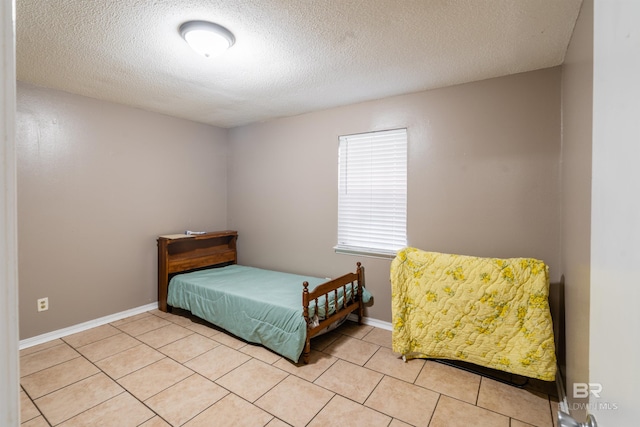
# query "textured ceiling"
(290, 56)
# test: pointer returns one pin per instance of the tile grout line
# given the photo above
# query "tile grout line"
(435, 408)
(35, 406)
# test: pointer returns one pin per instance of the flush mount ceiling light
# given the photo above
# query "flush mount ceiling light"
(207, 38)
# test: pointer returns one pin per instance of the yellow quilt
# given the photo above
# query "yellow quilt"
(487, 311)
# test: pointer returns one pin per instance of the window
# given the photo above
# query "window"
(372, 193)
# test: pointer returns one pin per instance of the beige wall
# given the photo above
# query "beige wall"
(96, 183)
(483, 178)
(577, 122)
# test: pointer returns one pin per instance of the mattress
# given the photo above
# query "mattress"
(488, 311)
(257, 305)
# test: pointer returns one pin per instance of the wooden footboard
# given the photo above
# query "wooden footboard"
(350, 284)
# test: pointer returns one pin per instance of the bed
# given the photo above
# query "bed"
(281, 311)
(487, 311)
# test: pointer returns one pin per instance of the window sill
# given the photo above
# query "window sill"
(373, 253)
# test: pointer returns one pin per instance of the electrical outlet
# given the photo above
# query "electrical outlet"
(43, 304)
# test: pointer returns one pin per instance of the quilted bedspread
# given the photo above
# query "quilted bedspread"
(487, 311)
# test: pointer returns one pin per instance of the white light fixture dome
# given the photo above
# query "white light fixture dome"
(207, 38)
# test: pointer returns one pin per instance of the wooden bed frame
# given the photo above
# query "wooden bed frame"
(179, 253)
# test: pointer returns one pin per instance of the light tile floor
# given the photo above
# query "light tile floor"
(157, 369)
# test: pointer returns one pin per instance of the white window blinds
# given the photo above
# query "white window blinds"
(372, 192)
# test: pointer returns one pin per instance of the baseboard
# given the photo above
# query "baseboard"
(49, 336)
(371, 322)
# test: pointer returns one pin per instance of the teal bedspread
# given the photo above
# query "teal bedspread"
(260, 306)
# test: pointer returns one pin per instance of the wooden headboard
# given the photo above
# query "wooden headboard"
(178, 253)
